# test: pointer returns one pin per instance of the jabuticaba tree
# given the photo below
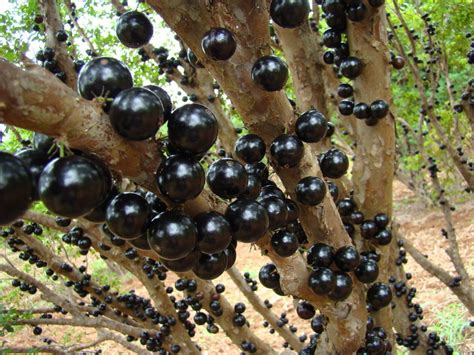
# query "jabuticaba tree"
(279, 124)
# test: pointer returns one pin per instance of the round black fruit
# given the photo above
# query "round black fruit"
(368, 229)
(379, 295)
(181, 178)
(270, 73)
(43, 143)
(136, 114)
(345, 91)
(351, 67)
(98, 214)
(172, 235)
(382, 220)
(16, 188)
(347, 258)
(284, 243)
(134, 29)
(320, 254)
(210, 266)
(286, 151)
(361, 110)
(35, 161)
(367, 271)
(322, 281)
(128, 215)
(289, 13)
(248, 220)
(227, 178)
(305, 310)
(346, 107)
(269, 276)
(311, 126)
(192, 129)
(384, 237)
(218, 44)
(310, 191)
(103, 77)
(250, 148)
(214, 233)
(73, 186)
(277, 211)
(231, 256)
(183, 264)
(254, 186)
(379, 109)
(164, 98)
(293, 210)
(343, 287)
(260, 170)
(334, 163)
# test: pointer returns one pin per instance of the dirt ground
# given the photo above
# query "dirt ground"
(421, 226)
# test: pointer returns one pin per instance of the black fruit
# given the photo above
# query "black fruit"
(331, 38)
(345, 91)
(98, 214)
(181, 178)
(270, 73)
(345, 206)
(334, 163)
(73, 186)
(227, 178)
(192, 129)
(218, 44)
(248, 220)
(381, 220)
(254, 186)
(269, 276)
(156, 205)
(343, 287)
(346, 107)
(361, 110)
(276, 210)
(172, 235)
(35, 161)
(311, 126)
(128, 215)
(367, 271)
(260, 170)
(211, 266)
(310, 191)
(134, 29)
(305, 310)
(379, 295)
(165, 100)
(271, 190)
(250, 148)
(293, 210)
(284, 243)
(379, 109)
(103, 77)
(289, 13)
(43, 143)
(351, 67)
(16, 188)
(322, 281)
(140, 243)
(286, 151)
(356, 12)
(136, 113)
(384, 237)
(368, 229)
(376, 3)
(347, 258)
(183, 264)
(320, 254)
(231, 256)
(214, 233)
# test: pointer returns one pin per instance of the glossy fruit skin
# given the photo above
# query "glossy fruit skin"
(214, 233)
(276, 210)
(16, 188)
(286, 151)
(193, 60)
(368, 229)
(384, 237)
(271, 190)
(192, 129)
(250, 148)
(136, 114)
(270, 73)
(284, 243)
(379, 295)
(320, 254)
(379, 109)
(331, 129)
(103, 76)
(345, 206)
(248, 220)
(254, 186)
(343, 287)
(367, 271)
(357, 12)
(42, 142)
(73, 186)
(98, 214)
(227, 178)
(140, 243)
(310, 191)
(134, 29)
(382, 220)
(260, 170)
(305, 310)
(172, 235)
(347, 258)
(293, 210)
(351, 67)
(128, 215)
(331, 38)
(218, 44)
(231, 256)
(289, 13)
(165, 100)
(333, 190)
(376, 3)
(346, 107)
(334, 163)
(211, 266)
(184, 264)
(269, 276)
(311, 126)
(35, 161)
(362, 110)
(322, 281)
(357, 217)
(345, 91)
(156, 205)
(180, 178)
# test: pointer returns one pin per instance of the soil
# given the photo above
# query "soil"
(420, 225)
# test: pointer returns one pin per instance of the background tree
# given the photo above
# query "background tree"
(299, 116)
